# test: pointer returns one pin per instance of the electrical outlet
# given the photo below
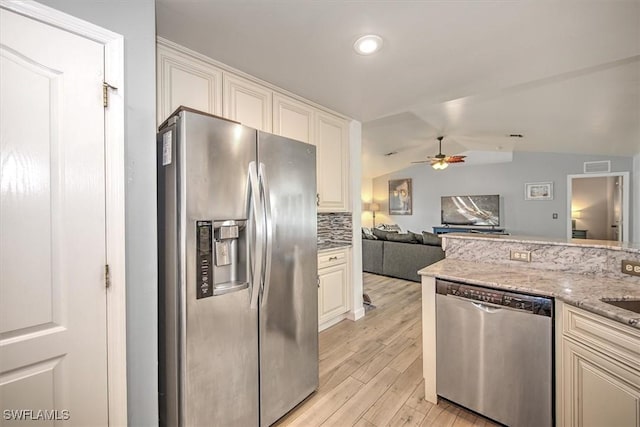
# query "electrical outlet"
(631, 267)
(520, 256)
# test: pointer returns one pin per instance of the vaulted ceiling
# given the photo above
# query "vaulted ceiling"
(564, 73)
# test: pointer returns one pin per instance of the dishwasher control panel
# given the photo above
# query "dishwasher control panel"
(530, 303)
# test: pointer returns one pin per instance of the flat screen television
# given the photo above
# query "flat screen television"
(470, 210)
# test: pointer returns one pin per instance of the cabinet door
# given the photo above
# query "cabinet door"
(187, 81)
(332, 140)
(333, 296)
(293, 119)
(247, 102)
(598, 391)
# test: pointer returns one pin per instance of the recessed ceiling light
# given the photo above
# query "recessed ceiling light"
(366, 45)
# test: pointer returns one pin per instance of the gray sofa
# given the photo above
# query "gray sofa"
(397, 259)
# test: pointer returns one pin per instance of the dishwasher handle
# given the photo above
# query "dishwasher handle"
(484, 307)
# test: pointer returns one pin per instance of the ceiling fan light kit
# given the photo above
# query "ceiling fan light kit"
(440, 165)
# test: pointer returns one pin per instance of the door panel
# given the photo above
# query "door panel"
(289, 316)
(53, 351)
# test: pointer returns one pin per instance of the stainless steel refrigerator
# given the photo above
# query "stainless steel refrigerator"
(237, 256)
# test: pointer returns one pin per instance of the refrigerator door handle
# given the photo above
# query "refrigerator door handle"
(268, 232)
(255, 251)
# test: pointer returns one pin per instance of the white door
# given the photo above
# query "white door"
(53, 341)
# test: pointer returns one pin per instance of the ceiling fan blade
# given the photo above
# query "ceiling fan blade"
(455, 159)
(422, 161)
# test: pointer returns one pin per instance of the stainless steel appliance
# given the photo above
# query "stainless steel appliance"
(494, 352)
(238, 311)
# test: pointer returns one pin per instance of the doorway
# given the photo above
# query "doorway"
(598, 206)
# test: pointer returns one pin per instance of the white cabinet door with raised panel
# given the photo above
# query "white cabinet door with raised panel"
(332, 156)
(334, 288)
(293, 119)
(333, 295)
(184, 80)
(598, 390)
(247, 102)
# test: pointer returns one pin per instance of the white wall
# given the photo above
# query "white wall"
(135, 20)
(355, 146)
(635, 199)
(518, 216)
(366, 196)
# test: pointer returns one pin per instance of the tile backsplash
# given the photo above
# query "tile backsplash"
(335, 227)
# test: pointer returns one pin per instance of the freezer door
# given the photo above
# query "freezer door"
(288, 307)
(219, 367)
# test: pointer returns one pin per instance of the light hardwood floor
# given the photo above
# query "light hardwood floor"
(371, 370)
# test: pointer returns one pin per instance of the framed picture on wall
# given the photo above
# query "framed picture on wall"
(400, 197)
(538, 191)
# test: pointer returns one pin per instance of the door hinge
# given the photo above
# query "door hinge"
(105, 93)
(107, 276)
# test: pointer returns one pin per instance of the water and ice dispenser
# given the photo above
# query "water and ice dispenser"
(221, 268)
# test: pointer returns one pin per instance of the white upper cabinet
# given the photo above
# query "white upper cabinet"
(293, 119)
(184, 80)
(193, 80)
(247, 102)
(332, 141)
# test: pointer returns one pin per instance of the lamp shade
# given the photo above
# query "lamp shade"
(374, 207)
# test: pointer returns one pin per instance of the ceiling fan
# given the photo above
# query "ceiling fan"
(441, 161)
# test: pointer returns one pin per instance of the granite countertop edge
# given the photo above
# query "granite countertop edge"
(588, 243)
(328, 245)
(578, 290)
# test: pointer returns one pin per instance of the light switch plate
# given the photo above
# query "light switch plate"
(631, 267)
(520, 256)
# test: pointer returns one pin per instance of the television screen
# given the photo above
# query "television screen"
(470, 210)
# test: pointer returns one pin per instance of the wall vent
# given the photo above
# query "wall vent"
(603, 166)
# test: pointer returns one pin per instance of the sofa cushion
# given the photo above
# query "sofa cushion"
(431, 239)
(401, 237)
(417, 237)
(381, 234)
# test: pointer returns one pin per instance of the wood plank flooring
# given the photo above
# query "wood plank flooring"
(371, 370)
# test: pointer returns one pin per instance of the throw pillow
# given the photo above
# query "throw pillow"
(431, 239)
(367, 234)
(401, 237)
(381, 234)
(392, 227)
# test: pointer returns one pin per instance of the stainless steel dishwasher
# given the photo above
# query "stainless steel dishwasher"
(494, 352)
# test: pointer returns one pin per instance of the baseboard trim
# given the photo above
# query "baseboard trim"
(356, 314)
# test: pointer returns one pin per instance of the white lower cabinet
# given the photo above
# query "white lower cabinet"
(598, 371)
(333, 290)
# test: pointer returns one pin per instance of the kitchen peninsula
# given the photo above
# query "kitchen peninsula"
(597, 344)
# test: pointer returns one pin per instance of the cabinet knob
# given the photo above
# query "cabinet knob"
(333, 258)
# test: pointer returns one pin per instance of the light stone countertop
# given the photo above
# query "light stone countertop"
(586, 243)
(328, 245)
(580, 290)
